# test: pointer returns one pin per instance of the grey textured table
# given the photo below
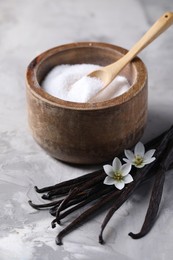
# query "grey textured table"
(26, 29)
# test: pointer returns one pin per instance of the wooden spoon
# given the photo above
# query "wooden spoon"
(108, 73)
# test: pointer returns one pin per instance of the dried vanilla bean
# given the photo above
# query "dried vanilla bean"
(78, 198)
(45, 205)
(107, 199)
(91, 197)
(59, 192)
(139, 176)
(77, 180)
(61, 206)
(86, 184)
(72, 202)
(66, 202)
(165, 164)
(65, 190)
(87, 214)
(54, 204)
(75, 191)
(153, 205)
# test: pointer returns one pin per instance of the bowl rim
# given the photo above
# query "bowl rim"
(36, 89)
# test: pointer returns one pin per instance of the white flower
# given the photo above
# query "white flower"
(139, 158)
(118, 174)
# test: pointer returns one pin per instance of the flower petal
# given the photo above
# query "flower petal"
(109, 181)
(128, 178)
(125, 169)
(139, 149)
(116, 164)
(150, 160)
(119, 184)
(108, 170)
(139, 165)
(127, 160)
(129, 154)
(149, 154)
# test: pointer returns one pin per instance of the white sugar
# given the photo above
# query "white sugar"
(70, 83)
(89, 86)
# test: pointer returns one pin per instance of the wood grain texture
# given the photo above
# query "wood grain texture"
(86, 133)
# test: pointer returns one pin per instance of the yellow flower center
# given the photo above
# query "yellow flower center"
(138, 160)
(118, 176)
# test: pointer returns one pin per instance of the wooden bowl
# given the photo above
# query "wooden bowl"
(84, 133)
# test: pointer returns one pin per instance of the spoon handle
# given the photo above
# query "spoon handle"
(158, 27)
